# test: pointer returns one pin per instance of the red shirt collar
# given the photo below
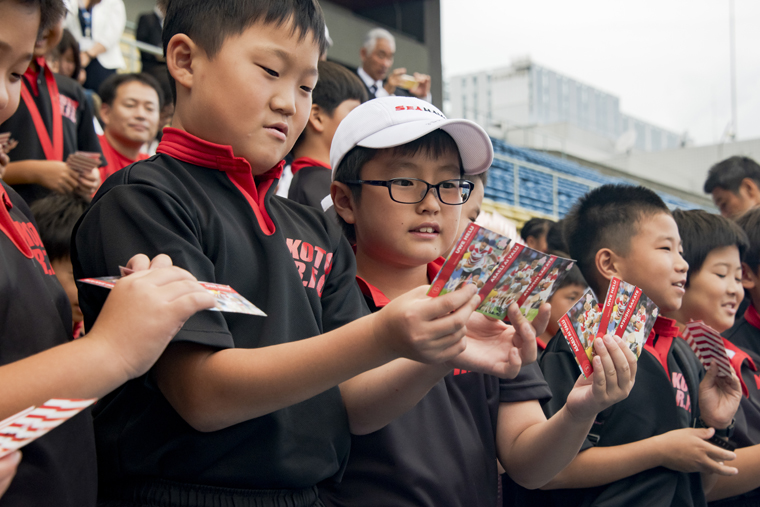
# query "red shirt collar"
(379, 299)
(302, 162)
(190, 149)
(737, 359)
(10, 228)
(660, 340)
(31, 75)
(752, 316)
(540, 343)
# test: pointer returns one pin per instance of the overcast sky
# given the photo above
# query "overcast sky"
(667, 60)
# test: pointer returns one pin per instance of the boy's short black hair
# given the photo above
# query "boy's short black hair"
(434, 144)
(51, 11)
(729, 174)
(535, 228)
(607, 217)
(573, 276)
(56, 216)
(336, 85)
(750, 223)
(210, 22)
(554, 237)
(110, 87)
(702, 232)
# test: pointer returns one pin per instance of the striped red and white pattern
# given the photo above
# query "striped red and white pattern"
(30, 424)
(707, 344)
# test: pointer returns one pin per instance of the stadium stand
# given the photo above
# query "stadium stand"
(547, 185)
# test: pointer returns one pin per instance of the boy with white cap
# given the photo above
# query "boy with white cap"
(443, 450)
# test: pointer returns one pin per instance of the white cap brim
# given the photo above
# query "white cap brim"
(474, 145)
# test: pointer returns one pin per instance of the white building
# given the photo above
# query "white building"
(527, 96)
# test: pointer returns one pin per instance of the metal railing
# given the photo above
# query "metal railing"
(555, 175)
(131, 50)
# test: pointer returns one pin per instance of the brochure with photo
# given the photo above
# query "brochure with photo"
(227, 298)
(505, 272)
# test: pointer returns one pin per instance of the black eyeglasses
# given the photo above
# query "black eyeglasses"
(413, 190)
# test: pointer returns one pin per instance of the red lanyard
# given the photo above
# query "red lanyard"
(53, 148)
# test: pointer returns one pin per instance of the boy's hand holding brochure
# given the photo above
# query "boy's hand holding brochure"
(427, 330)
(498, 349)
(613, 374)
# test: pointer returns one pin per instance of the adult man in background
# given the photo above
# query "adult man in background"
(377, 54)
(735, 185)
(130, 112)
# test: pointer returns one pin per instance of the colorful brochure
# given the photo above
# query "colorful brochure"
(504, 271)
(626, 312)
(32, 423)
(227, 298)
(707, 344)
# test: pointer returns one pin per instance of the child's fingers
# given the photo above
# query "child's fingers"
(159, 277)
(599, 377)
(139, 262)
(619, 361)
(161, 261)
(191, 302)
(452, 324)
(719, 468)
(541, 321)
(717, 454)
(525, 336)
(448, 303)
(170, 291)
(603, 353)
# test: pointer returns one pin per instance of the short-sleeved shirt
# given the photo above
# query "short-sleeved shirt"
(76, 122)
(59, 468)
(114, 159)
(744, 333)
(747, 419)
(311, 182)
(199, 203)
(440, 452)
(664, 398)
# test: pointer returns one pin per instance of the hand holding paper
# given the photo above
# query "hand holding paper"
(498, 349)
(611, 380)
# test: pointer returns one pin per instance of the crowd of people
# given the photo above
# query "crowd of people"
(356, 388)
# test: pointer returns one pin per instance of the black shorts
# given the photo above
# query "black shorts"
(162, 493)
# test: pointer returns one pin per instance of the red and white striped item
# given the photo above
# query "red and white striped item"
(30, 424)
(707, 344)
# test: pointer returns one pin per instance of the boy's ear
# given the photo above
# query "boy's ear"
(179, 59)
(343, 201)
(749, 278)
(316, 119)
(606, 263)
(750, 187)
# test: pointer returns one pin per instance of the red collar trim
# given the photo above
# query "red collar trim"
(302, 162)
(9, 227)
(379, 299)
(190, 149)
(540, 343)
(736, 362)
(661, 339)
(752, 316)
(31, 75)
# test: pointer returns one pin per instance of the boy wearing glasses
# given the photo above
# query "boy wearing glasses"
(399, 182)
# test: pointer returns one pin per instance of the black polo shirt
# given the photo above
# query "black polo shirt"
(311, 182)
(442, 451)
(76, 121)
(198, 203)
(746, 363)
(59, 468)
(664, 398)
(745, 333)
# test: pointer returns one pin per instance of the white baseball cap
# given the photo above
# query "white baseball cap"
(392, 121)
